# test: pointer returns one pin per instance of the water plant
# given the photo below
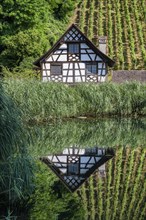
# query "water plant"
(44, 101)
(16, 176)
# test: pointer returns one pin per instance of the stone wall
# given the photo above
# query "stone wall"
(121, 76)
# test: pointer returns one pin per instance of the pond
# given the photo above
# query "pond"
(89, 169)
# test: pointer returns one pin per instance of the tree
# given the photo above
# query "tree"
(23, 30)
(29, 27)
(62, 9)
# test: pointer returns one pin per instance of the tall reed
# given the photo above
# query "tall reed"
(42, 101)
(16, 176)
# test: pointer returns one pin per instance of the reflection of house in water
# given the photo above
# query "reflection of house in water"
(73, 166)
(102, 171)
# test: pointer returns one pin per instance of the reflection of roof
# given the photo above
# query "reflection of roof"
(73, 166)
(59, 42)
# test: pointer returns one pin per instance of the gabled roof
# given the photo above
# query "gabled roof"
(108, 60)
(84, 163)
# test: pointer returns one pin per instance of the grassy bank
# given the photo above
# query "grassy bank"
(43, 101)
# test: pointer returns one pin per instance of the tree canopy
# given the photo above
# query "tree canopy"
(29, 27)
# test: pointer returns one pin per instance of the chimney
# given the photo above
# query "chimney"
(102, 44)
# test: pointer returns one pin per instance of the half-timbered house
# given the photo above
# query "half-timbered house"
(74, 165)
(74, 58)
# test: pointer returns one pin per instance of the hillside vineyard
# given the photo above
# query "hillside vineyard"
(123, 22)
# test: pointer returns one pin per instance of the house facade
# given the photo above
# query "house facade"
(74, 59)
(75, 165)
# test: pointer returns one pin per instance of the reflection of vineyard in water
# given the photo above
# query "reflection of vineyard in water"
(123, 22)
(121, 194)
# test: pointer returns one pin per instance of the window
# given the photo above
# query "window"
(73, 168)
(91, 68)
(101, 69)
(73, 48)
(56, 69)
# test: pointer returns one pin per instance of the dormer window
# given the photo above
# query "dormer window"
(73, 48)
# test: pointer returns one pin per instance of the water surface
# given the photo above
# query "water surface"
(115, 189)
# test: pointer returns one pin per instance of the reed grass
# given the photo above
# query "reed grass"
(16, 176)
(43, 101)
(54, 137)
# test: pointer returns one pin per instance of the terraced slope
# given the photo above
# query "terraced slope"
(121, 194)
(123, 22)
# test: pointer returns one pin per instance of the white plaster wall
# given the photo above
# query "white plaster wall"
(46, 73)
(46, 65)
(63, 57)
(57, 52)
(98, 58)
(70, 79)
(100, 65)
(92, 56)
(85, 57)
(78, 79)
(83, 51)
(83, 45)
(55, 57)
(82, 65)
(65, 65)
(90, 51)
(101, 78)
(102, 71)
(63, 46)
(70, 72)
(45, 79)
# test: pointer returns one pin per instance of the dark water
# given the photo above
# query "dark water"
(90, 170)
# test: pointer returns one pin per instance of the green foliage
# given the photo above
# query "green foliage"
(21, 15)
(22, 31)
(44, 101)
(16, 176)
(53, 198)
(28, 29)
(21, 72)
(62, 9)
(27, 43)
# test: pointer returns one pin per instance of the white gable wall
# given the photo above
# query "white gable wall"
(73, 65)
